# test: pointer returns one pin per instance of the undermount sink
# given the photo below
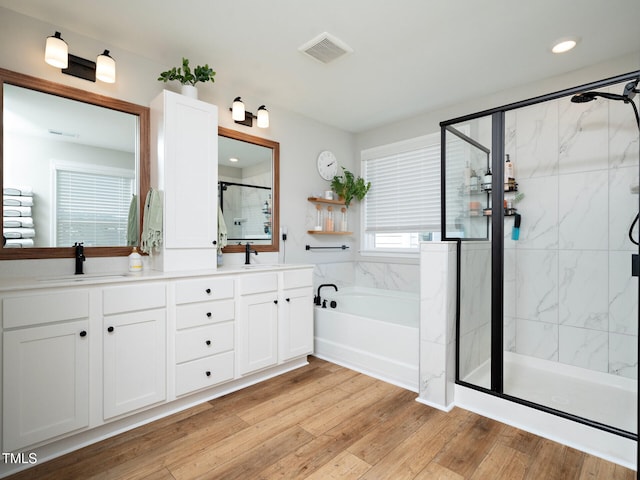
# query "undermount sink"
(82, 278)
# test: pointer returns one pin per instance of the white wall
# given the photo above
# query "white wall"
(22, 42)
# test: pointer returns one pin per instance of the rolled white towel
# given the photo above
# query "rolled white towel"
(19, 243)
(17, 201)
(19, 232)
(16, 222)
(24, 191)
(11, 211)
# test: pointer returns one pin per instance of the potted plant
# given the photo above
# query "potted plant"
(188, 77)
(349, 187)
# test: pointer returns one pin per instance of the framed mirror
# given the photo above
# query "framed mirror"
(74, 168)
(248, 190)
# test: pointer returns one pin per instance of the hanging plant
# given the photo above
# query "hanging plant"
(349, 187)
(186, 76)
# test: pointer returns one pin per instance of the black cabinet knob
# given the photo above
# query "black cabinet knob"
(208, 342)
(208, 290)
(209, 314)
(83, 333)
(208, 373)
(215, 242)
(110, 329)
(288, 299)
(275, 301)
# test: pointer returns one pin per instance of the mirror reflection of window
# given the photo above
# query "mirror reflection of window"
(43, 130)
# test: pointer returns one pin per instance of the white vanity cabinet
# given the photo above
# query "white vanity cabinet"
(295, 329)
(184, 167)
(134, 343)
(257, 322)
(45, 366)
(204, 337)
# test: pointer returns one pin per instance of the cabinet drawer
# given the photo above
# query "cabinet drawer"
(206, 313)
(45, 308)
(204, 373)
(129, 298)
(203, 341)
(297, 278)
(199, 290)
(265, 282)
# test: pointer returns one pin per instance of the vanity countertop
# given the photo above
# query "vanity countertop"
(48, 281)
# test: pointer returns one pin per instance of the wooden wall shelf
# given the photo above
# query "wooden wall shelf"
(322, 232)
(324, 200)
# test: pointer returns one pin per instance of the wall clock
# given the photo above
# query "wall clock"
(327, 165)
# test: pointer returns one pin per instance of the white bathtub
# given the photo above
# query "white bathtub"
(372, 331)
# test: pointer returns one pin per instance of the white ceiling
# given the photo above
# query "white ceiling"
(409, 56)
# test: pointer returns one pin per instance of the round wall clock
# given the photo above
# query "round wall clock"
(327, 165)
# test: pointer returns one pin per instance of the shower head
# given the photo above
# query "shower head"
(588, 96)
(583, 97)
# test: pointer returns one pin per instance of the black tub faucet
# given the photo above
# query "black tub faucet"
(80, 258)
(317, 300)
(247, 253)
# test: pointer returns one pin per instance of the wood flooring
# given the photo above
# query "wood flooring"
(325, 422)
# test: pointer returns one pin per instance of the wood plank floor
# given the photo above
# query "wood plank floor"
(325, 422)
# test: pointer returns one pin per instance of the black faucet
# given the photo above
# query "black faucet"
(80, 258)
(247, 253)
(317, 300)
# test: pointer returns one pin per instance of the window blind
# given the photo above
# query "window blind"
(92, 208)
(405, 186)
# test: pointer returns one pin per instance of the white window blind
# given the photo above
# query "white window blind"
(91, 208)
(405, 186)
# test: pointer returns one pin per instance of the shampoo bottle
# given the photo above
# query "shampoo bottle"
(508, 170)
(487, 180)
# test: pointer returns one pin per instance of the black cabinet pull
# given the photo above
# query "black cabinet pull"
(208, 342)
(288, 299)
(275, 301)
(208, 290)
(83, 333)
(209, 314)
(208, 373)
(110, 329)
(215, 242)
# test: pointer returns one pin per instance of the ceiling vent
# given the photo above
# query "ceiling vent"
(325, 48)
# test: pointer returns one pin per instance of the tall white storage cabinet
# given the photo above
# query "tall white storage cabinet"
(184, 167)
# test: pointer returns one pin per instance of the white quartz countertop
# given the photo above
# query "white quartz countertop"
(48, 281)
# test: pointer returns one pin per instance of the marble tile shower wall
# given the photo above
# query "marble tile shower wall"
(388, 276)
(569, 295)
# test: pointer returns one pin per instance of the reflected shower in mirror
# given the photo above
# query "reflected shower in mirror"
(248, 190)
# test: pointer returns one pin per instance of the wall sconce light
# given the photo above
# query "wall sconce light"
(57, 54)
(240, 115)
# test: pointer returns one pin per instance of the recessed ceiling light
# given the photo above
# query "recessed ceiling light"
(233, 159)
(564, 45)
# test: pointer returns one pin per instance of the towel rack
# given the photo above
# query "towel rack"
(309, 247)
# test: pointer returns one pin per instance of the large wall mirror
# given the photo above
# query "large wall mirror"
(74, 168)
(248, 190)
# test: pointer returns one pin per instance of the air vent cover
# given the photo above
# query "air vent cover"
(325, 48)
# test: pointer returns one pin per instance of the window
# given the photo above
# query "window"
(403, 206)
(91, 207)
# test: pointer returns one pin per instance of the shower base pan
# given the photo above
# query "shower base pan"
(607, 399)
